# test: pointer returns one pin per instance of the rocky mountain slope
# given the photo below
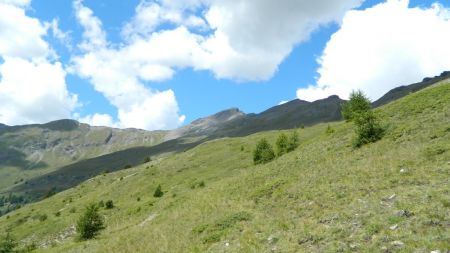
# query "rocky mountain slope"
(40, 148)
(204, 127)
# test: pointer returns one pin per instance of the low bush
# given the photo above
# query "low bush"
(368, 129)
(158, 192)
(90, 223)
(7, 243)
(109, 204)
(282, 144)
(263, 152)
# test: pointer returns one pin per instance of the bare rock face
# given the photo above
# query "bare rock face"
(208, 125)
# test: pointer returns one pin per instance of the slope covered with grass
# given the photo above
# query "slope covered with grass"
(389, 196)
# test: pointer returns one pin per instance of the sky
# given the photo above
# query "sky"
(162, 64)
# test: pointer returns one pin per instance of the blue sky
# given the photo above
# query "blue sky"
(203, 56)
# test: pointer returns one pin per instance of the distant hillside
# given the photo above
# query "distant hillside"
(31, 150)
(208, 125)
(296, 113)
(325, 196)
(71, 175)
(402, 91)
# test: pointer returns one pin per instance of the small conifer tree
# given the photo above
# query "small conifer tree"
(357, 103)
(282, 144)
(90, 223)
(368, 129)
(293, 142)
(158, 192)
(263, 152)
(358, 109)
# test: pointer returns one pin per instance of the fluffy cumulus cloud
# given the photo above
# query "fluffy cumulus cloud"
(32, 83)
(235, 39)
(119, 75)
(20, 35)
(251, 38)
(379, 48)
(97, 119)
(239, 39)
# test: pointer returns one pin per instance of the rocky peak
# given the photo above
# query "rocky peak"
(220, 117)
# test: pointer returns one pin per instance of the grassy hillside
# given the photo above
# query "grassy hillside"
(390, 196)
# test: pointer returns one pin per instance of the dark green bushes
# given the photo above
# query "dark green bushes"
(368, 129)
(293, 142)
(358, 103)
(147, 159)
(285, 144)
(158, 192)
(282, 144)
(109, 204)
(7, 243)
(263, 153)
(90, 223)
(358, 109)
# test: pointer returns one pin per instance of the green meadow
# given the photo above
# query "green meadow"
(326, 196)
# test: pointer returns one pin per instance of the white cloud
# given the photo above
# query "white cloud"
(33, 97)
(32, 84)
(252, 38)
(283, 102)
(20, 35)
(379, 48)
(156, 111)
(94, 36)
(63, 37)
(119, 75)
(150, 15)
(20, 3)
(240, 39)
(97, 119)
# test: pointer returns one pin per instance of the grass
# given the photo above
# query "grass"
(323, 197)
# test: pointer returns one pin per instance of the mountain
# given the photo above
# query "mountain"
(233, 122)
(208, 125)
(2, 126)
(31, 150)
(325, 196)
(296, 113)
(71, 175)
(402, 91)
